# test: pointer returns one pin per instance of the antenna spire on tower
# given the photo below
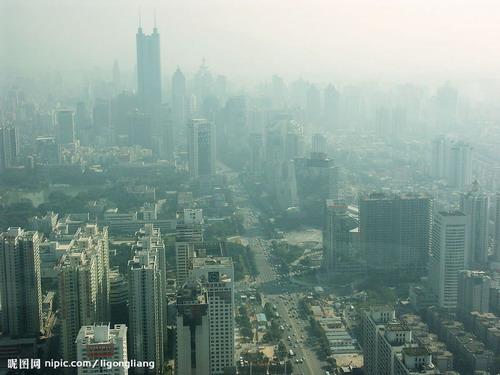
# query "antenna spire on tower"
(154, 18)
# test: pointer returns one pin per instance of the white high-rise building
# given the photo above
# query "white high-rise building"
(20, 283)
(193, 330)
(145, 309)
(475, 205)
(106, 345)
(460, 165)
(449, 252)
(201, 148)
(83, 284)
(189, 230)
(216, 275)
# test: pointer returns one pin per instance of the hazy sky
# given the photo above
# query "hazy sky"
(319, 40)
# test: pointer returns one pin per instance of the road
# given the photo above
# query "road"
(285, 295)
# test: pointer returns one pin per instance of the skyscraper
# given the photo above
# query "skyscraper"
(20, 283)
(83, 284)
(8, 147)
(395, 231)
(193, 330)
(449, 252)
(460, 165)
(497, 229)
(179, 108)
(102, 343)
(65, 126)
(149, 71)
(473, 293)
(216, 275)
(475, 205)
(337, 245)
(201, 148)
(331, 108)
(145, 309)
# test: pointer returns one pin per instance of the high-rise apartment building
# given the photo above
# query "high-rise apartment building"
(149, 71)
(147, 301)
(395, 231)
(460, 165)
(449, 252)
(216, 275)
(83, 284)
(201, 148)
(20, 283)
(475, 205)
(179, 107)
(473, 293)
(193, 330)
(107, 346)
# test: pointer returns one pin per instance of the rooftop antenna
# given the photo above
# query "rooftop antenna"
(140, 19)
(154, 18)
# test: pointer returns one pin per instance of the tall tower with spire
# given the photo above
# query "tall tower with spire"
(148, 70)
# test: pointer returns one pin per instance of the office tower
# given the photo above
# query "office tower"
(460, 165)
(101, 115)
(47, 151)
(339, 251)
(148, 71)
(217, 277)
(374, 321)
(146, 309)
(395, 231)
(317, 180)
(179, 109)
(140, 129)
(8, 147)
(414, 361)
(20, 283)
(475, 205)
(446, 106)
(193, 330)
(256, 153)
(449, 252)
(202, 82)
(105, 345)
(83, 123)
(331, 108)
(497, 229)
(83, 284)
(473, 293)
(319, 144)
(116, 76)
(278, 92)
(201, 148)
(313, 105)
(65, 126)
(190, 225)
(189, 230)
(439, 157)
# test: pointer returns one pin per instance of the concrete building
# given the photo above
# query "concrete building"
(65, 126)
(475, 204)
(20, 283)
(201, 148)
(413, 361)
(496, 253)
(449, 251)
(460, 165)
(9, 147)
(374, 320)
(216, 274)
(179, 98)
(148, 71)
(83, 284)
(105, 345)
(339, 251)
(193, 331)
(395, 231)
(473, 293)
